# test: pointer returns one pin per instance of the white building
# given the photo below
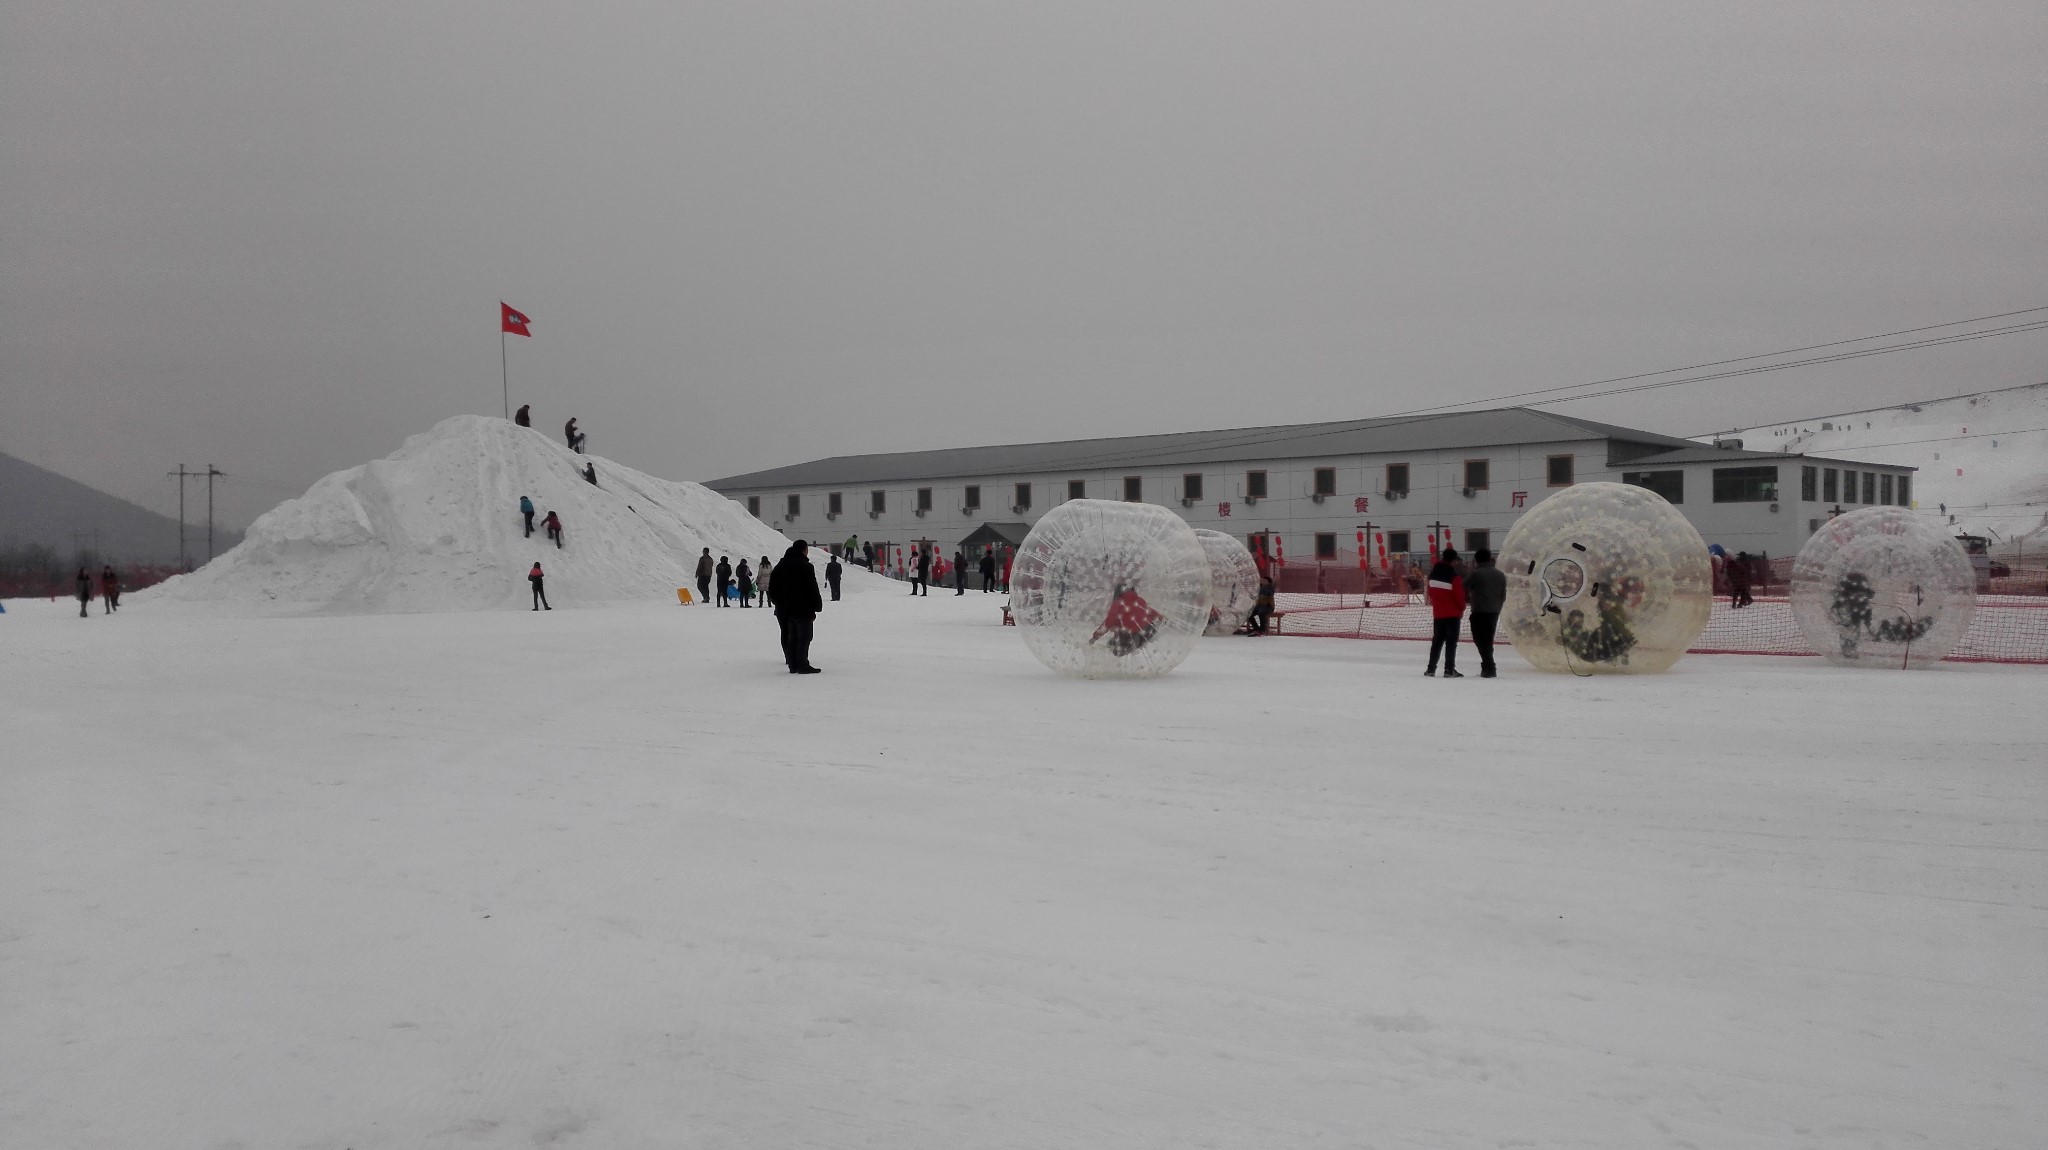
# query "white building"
(1308, 491)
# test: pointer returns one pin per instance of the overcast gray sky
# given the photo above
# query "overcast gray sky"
(273, 237)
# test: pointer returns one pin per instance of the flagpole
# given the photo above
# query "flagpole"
(504, 376)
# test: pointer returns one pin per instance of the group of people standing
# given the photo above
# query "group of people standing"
(789, 588)
(1452, 589)
(926, 565)
(109, 590)
(524, 418)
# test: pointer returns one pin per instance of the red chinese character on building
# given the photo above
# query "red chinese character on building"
(1223, 510)
(1361, 505)
(1520, 499)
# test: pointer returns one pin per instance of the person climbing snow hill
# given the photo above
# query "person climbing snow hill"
(540, 594)
(1130, 624)
(524, 416)
(526, 509)
(554, 526)
(575, 437)
(590, 474)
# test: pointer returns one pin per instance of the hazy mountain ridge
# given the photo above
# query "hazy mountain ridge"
(39, 506)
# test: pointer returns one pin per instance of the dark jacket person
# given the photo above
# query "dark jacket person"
(833, 573)
(1486, 589)
(794, 588)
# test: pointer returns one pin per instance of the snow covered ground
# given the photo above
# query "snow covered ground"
(609, 877)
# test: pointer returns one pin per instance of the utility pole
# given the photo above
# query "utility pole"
(181, 475)
(212, 473)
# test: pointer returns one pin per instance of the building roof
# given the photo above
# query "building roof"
(1497, 427)
(1698, 454)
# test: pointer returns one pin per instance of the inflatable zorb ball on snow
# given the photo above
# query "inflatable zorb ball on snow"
(1110, 590)
(1605, 578)
(1883, 587)
(1233, 581)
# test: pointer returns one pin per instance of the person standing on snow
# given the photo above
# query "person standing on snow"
(1738, 581)
(924, 572)
(524, 416)
(1488, 590)
(704, 572)
(1009, 557)
(1447, 607)
(796, 607)
(724, 580)
(988, 571)
(526, 509)
(832, 573)
(84, 591)
(540, 593)
(761, 576)
(110, 589)
(574, 436)
(554, 526)
(960, 572)
(745, 575)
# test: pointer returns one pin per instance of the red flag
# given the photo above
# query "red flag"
(512, 322)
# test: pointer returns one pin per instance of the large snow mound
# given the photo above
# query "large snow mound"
(436, 527)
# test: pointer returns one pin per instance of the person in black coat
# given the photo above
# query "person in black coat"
(84, 591)
(797, 603)
(705, 569)
(960, 572)
(524, 416)
(988, 570)
(832, 573)
(110, 589)
(1486, 593)
(923, 579)
(724, 571)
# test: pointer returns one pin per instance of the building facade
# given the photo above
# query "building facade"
(1336, 493)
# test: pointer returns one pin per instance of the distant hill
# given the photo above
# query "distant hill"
(1983, 458)
(41, 506)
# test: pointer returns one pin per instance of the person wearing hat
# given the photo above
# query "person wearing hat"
(794, 590)
(1487, 589)
(1447, 607)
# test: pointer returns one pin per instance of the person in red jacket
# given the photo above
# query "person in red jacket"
(1009, 560)
(554, 525)
(1447, 605)
(1130, 624)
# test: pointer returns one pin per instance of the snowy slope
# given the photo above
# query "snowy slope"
(1984, 456)
(436, 527)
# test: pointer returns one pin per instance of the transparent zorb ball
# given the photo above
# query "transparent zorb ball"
(1233, 581)
(1110, 590)
(1883, 587)
(1605, 578)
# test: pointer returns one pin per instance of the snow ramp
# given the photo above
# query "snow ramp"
(436, 527)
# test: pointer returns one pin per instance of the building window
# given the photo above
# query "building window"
(1669, 484)
(834, 504)
(1476, 474)
(1397, 480)
(1745, 484)
(924, 499)
(1477, 540)
(754, 506)
(972, 499)
(1023, 498)
(1809, 484)
(1326, 545)
(1191, 487)
(1077, 489)
(1254, 485)
(796, 503)
(1560, 471)
(1397, 542)
(1884, 490)
(1829, 492)
(1870, 487)
(1848, 487)
(1905, 491)
(1326, 481)
(878, 501)
(1134, 489)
